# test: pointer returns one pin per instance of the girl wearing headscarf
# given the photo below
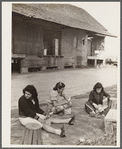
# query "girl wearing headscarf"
(94, 106)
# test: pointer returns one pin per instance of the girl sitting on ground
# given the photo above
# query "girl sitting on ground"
(94, 106)
(58, 102)
(29, 112)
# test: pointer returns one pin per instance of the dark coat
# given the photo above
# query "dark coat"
(27, 108)
(97, 98)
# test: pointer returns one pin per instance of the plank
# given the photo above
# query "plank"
(35, 137)
(114, 103)
(30, 136)
(40, 141)
(111, 116)
(26, 140)
(23, 135)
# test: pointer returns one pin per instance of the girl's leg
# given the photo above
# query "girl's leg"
(68, 105)
(25, 121)
(106, 111)
(59, 121)
(89, 108)
(51, 129)
(41, 116)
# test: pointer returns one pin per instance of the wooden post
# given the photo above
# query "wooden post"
(95, 62)
(110, 118)
(32, 134)
(114, 103)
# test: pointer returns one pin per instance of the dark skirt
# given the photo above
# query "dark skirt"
(89, 107)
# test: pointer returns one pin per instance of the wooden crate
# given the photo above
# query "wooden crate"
(110, 121)
(114, 103)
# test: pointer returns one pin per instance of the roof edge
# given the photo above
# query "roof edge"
(87, 28)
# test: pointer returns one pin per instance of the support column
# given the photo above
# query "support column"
(22, 68)
(95, 63)
(103, 62)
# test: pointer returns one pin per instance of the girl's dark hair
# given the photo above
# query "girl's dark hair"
(31, 89)
(98, 85)
(59, 85)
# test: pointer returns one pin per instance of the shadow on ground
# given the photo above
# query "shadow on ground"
(85, 126)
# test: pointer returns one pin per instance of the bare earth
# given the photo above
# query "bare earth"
(85, 126)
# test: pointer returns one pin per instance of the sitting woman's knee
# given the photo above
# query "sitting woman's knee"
(48, 121)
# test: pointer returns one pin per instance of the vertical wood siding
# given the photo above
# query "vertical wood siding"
(73, 55)
(27, 38)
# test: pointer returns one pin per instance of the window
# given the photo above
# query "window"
(75, 42)
(83, 41)
(56, 46)
(51, 40)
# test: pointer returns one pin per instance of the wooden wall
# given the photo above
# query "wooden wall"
(73, 55)
(27, 38)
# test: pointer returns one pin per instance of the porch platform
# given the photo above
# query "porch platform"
(96, 60)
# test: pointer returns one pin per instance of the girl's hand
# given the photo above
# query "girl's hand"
(100, 109)
(99, 106)
(63, 95)
(41, 120)
(49, 115)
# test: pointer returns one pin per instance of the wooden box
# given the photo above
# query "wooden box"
(114, 103)
(110, 121)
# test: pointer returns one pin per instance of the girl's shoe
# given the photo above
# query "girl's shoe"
(100, 116)
(92, 114)
(62, 132)
(71, 122)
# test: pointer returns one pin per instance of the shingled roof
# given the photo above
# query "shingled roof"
(64, 14)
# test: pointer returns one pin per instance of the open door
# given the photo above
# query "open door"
(16, 65)
(51, 40)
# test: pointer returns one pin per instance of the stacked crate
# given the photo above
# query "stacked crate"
(110, 119)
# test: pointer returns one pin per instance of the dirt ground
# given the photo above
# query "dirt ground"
(85, 126)
(77, 81)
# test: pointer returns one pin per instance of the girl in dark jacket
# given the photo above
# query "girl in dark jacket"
(94, 106)
(30, 112)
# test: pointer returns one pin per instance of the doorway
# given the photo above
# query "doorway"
(16, 65)
(51, 39)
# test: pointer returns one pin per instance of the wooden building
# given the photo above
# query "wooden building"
(54, 36)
